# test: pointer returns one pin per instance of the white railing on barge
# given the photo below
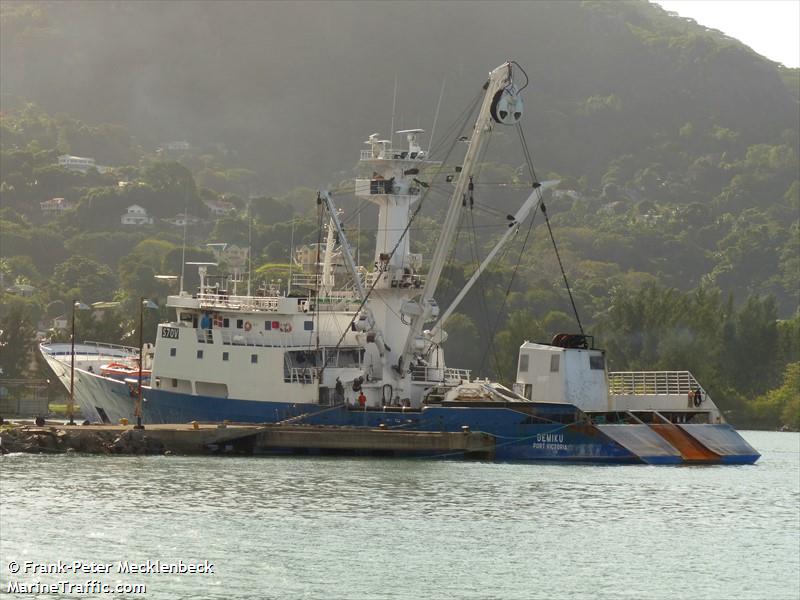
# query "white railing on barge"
(652, 382)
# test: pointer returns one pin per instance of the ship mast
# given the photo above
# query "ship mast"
(500, 104)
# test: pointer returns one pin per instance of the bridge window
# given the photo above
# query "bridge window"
(239, 323)
(524, 358)
(225, 356)
(254, 358)
(308, 325)
(199, 354)
(597, 362)
(555, 359)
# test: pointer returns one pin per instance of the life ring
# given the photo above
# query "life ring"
(248, 325)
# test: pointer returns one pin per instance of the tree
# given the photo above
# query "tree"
(85, 279)
(780, 406)
(17, 337)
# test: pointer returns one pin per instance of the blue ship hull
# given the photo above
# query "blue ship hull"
(528, 431)
(519, 436)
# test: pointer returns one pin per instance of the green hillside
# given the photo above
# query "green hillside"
(677, 150)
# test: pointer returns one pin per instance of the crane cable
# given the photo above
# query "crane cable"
(529, 162)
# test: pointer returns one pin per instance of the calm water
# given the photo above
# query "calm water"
(367, 528)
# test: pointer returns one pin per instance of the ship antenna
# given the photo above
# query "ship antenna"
(249, 246)
(394, 105)
(291, 260)
(436, 116)
(183, 247)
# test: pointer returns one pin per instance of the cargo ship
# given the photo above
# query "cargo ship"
(348, 345)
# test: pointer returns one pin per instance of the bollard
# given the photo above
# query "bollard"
(195, 425)
(465, 429)
(123, 421)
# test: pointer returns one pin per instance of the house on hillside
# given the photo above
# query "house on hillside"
(231, 254)
(181, 220)
(80, 163)
(56, 206)
(219, 207)
(176, 146)
(21, 289)
(572, 194)
(136, 215)
(61, 323)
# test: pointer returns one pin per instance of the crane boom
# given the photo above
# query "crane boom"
(425, 308)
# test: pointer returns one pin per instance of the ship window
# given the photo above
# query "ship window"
(254, 358)
(174, 383)
(597, 362)
(308, 325)
(173, 351)
(225, 356)
(555, 359)
(226, 322)
(523, 362)
(199, 354)
(239, 323)
(267, 325)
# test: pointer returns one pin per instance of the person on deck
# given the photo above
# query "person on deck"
(339, 391)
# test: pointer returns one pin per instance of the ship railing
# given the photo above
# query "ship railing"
(652, 382)
(99, 347)
(258, 338)
(385, 154)
(205, 336)
(268, 304)
(301, 374)
(439, 375)
(307, 280)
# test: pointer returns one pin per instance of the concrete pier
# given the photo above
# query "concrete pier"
(242, 439)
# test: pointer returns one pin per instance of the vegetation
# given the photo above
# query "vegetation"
(677, 149)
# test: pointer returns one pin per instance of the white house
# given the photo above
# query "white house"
(136, 215)
(181, 219)
(176, 146)
(21, 289)
(55, 206)
(76, 163)
(80, 163)
(61, 322)
(219, 207)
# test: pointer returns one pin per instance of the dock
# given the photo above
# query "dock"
(245, 439)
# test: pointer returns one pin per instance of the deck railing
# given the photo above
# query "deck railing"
(268, 304)
(301, 374)
(98, 346)
(652, 382)
(439, 375)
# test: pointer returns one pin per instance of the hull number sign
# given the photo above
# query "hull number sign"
(170, 332)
